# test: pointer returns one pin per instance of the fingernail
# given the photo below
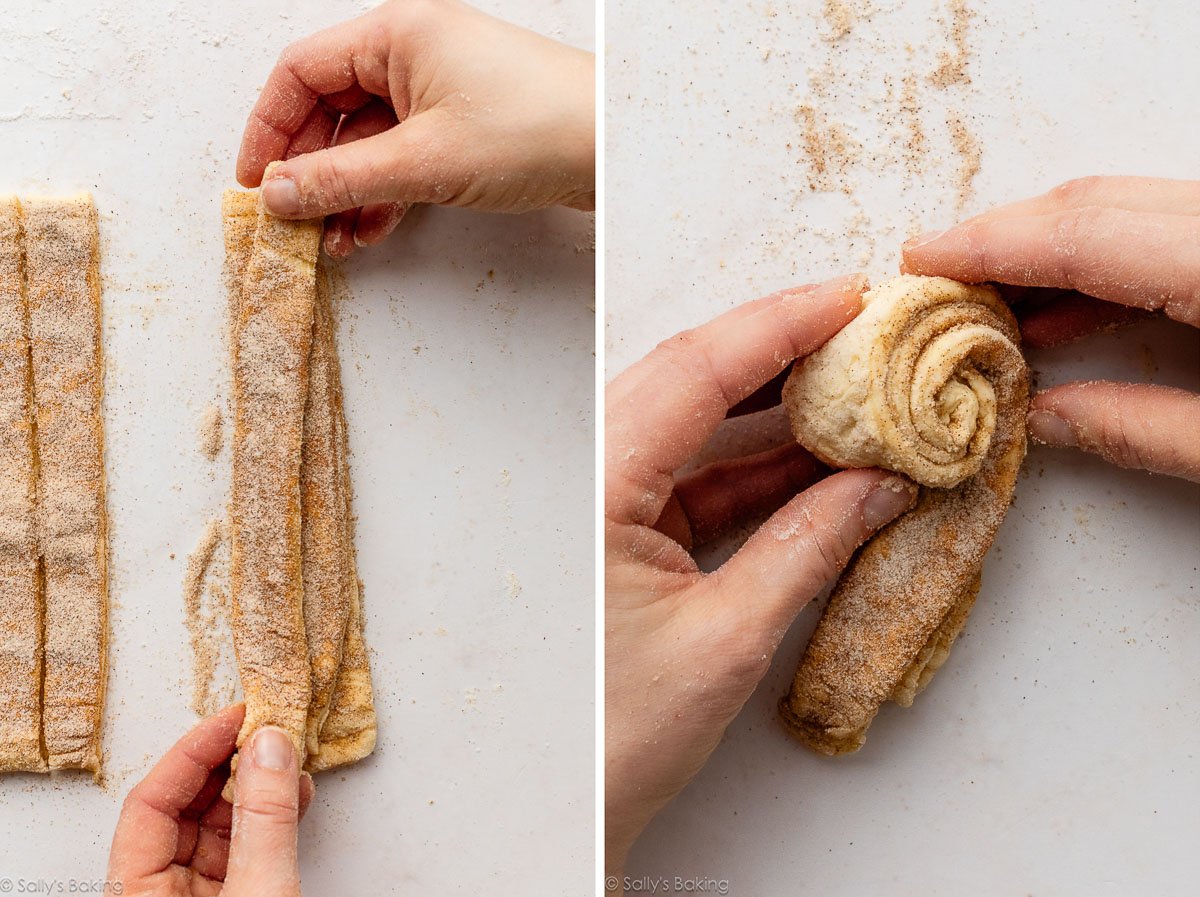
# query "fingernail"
(917, 242)
(893, 496)
(1050, 429)
(272, 749)
(281, 196)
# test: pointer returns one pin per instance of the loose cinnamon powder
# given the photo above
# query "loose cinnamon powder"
(210, 432)
(201, 617)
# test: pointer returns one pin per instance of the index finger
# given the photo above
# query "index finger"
(343, 66)
(1141, 259)
(1167, 196)
(664, 408)
(144, 842)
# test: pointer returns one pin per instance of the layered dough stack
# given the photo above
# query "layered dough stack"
(297, 606)
(53, 525)
(929, 381)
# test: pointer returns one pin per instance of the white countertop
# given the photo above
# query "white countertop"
(1055, 752)
(467, 355)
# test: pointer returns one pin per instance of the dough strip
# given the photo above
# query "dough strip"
(348, 732)
(62, 257)
(21, 612)
(272, 338)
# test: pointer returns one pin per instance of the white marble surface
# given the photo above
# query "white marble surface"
(1055, 753)
(467, 350)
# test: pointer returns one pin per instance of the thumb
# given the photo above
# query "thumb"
(266, 808)
(804, 545)
(405, 163)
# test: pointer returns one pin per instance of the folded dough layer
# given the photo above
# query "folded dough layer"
(929, 381)
(272, 338)
(329, 577)
(341, 719)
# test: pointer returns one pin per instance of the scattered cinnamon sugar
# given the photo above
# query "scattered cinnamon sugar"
(823, 81)
(1083, 517)
(840, 17)
(860, 235)
(952, 63)
(829, 150)
(915, 144)
(970, 155)
(512, 584)
(874, 118)
(210, 432)
(200, 617)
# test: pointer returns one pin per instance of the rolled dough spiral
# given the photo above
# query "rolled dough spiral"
(912, 383)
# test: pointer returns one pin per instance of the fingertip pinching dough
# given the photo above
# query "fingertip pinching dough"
(929, 381)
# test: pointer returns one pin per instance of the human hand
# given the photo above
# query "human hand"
(173, 835)
(1107, 250)
(442, 103)
(684, 649)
